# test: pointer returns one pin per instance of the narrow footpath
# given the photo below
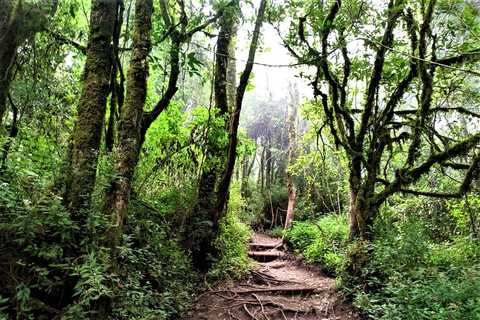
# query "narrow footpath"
(282, 288)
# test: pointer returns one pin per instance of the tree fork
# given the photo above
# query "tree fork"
(233, 138)
(92, 106)
(127, 151)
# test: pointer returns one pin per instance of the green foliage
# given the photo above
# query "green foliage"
(232, 242)
(3, 307)
(412, 277)
(323, 243)
(40, 229)
(154, 277)
(276, 232)
(463, 213)
(47, 252)
(302, 235)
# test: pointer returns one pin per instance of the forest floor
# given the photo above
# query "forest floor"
(282, 288)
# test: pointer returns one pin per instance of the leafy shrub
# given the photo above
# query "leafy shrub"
(276, 232)
(56, 264)
(302, 235)
(232, 242)
(322, 243)
(154, 281)
(411, 277)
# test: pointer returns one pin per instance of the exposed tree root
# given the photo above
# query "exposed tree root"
(259, 309)
(266, 245)
(277, 254)
(292, 290)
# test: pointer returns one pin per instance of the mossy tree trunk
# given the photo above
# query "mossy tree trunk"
(135, 122)
(128, 149)
(232, 70)
(374, 129)
(91, 107)
(224, 185)
(116, 88)
(215, 156)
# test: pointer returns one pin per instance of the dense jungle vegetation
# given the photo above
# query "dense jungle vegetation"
(137, 152)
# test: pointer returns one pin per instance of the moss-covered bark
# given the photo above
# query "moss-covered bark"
(128, 149)
(9, 29)
(203, 249)
(116, 89)
(232, 71)
(225, 37)
(224, 184)
(92, 106)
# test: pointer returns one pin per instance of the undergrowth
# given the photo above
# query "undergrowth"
(411, 276)
(232, 243)
(276, 232)
(322, 242)
(53, 268)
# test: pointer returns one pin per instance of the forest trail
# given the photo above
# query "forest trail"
(282, 288)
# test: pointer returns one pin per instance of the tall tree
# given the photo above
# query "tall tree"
(292, 150)
(235, 120)
(214, 150)
(386, 112)
(128, 148)
(91, 108)
(135, 121)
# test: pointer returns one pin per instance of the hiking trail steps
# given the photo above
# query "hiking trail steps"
(280, 289)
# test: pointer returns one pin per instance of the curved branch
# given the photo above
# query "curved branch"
(405, 176)
(394, 12)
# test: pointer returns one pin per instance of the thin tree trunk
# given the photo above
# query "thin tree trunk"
(292, 150)
(233, 137)
(272, 170)
(12, 136)
(261, 170)
(127, 151)
(247, 169)
(268, 163)
(91, 107)
(114, 85)
(232, 71)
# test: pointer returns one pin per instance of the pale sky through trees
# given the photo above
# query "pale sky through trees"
(271, 71)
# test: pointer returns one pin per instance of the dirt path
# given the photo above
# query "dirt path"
(280, 289)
